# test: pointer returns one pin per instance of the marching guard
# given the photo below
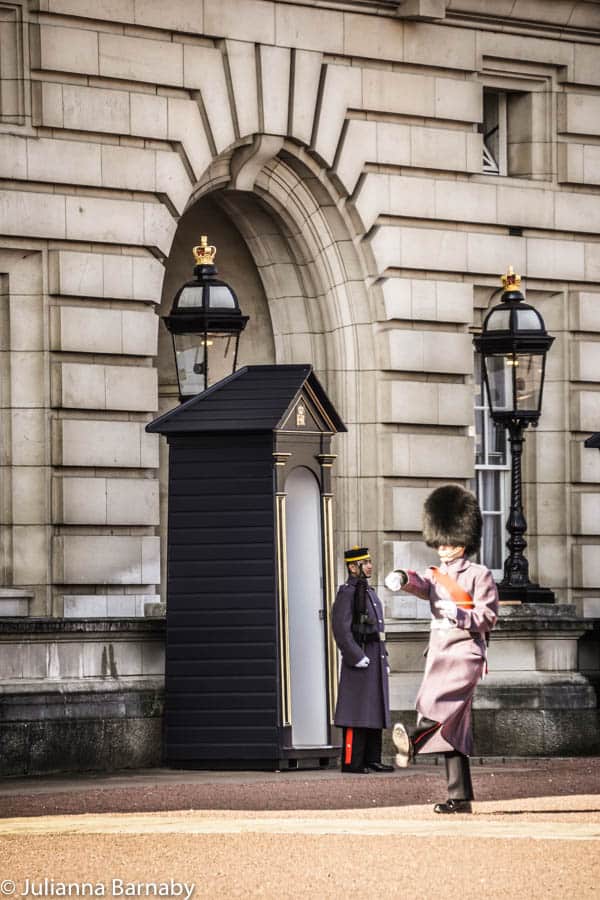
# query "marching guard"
(464, 607)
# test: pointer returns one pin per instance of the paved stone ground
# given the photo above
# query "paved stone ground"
(169, 789)
(535, 833)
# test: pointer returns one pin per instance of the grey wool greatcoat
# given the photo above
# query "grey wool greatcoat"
(363, 696)
(456, 655)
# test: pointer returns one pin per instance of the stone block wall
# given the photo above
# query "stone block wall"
(344, 146)
(80, 695)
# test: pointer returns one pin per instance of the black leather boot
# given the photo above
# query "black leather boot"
(379, 767)
(453, 806)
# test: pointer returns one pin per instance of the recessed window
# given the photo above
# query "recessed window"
(492, 468)
(515, 133)
(495, 138)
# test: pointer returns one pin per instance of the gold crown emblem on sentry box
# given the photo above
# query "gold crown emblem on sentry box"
(204, 253)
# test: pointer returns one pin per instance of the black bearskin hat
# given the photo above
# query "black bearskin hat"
(451, 515)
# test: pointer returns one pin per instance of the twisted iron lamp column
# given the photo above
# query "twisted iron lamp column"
(516, 566)
(516, 586)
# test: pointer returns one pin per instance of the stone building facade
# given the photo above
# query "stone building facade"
(367, 170)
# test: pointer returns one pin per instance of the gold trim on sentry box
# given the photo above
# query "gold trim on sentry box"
(282, 593)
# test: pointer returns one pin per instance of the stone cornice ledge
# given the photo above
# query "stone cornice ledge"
(576, 16)
(548, 618)
(57, 627)
(94, 688)
(572, 17)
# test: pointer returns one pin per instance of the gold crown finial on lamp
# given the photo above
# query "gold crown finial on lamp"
(511, 281)
(204, 253)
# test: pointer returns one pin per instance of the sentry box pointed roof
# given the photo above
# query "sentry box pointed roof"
(593, 440)
(254, 399)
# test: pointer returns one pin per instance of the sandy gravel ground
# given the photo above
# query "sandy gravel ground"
(535, 833)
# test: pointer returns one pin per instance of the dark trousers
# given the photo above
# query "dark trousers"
(458, 773)
(361, 746)
(458, 769)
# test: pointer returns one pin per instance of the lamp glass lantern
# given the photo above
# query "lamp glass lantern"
(513, 347)
(205, 324)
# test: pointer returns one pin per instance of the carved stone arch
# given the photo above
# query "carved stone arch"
(291, 220)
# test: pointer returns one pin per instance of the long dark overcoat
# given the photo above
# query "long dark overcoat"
(363, 697)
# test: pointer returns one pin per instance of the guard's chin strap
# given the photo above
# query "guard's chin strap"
(450, 557)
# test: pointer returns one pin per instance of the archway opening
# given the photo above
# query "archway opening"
(286, 247)
(235, 266)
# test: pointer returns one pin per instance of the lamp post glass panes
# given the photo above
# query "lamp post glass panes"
(205, 323)
(513, 346)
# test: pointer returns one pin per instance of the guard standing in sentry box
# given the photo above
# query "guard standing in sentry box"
(464, 607)
(363, 707)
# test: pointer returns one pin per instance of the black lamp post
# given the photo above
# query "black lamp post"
(205, 323)
(513, 347)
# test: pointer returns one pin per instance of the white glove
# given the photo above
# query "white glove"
(395, 580)
(362, 663)
(447, 608)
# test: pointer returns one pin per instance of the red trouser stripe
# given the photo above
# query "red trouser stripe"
(425, 734)
(348, 748)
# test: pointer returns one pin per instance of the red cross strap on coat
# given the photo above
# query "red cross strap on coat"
(461, 597)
